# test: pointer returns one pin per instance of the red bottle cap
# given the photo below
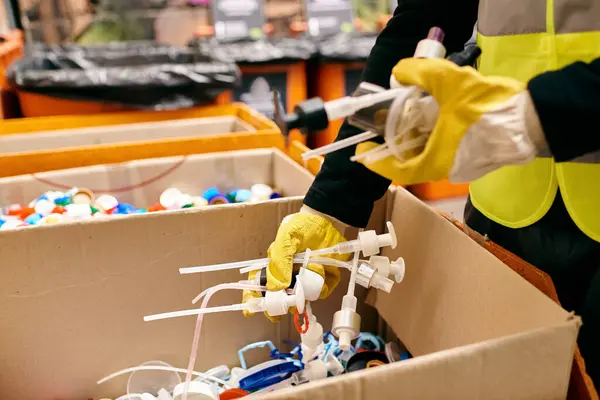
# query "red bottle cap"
(234, 393)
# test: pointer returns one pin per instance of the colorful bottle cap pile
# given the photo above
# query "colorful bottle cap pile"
(78, 204)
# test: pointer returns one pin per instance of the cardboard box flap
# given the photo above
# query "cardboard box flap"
(495, 369)
(148, 131)
(141, 182)
(453, 285)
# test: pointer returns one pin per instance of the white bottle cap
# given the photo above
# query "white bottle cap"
(168, 198)
(106, 202)
(44, 207)
(261, 192)
(196, 391)
(78, 211)
(12, 224)
(183, 200)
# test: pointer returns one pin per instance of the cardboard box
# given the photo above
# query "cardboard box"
(141, 182)
(74, 297)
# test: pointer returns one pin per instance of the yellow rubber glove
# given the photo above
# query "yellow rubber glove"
(482, 125)
(298, 232)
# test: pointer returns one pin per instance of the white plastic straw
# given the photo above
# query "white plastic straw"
(160, 368)
(195, 311)
(341, 144)
(250, 265)
(299, 260)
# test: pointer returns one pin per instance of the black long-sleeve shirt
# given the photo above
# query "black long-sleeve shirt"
(567, 102)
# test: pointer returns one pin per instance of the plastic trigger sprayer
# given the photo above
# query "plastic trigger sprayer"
(379, 111)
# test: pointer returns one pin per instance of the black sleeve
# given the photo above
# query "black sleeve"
(347, 190)
(567, 102)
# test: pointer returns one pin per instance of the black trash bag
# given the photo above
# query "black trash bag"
(346, 47)
(271, 50)
(136, 74)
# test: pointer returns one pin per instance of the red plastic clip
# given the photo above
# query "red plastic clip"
(299, 328)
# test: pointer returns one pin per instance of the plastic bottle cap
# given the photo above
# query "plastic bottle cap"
(82, 196)
(52, 219)
(217, 200)
(232, 394)
(243, 195)
(12, 224)
(33, 219)
(261, 192)
(210, 193)
(78, 211)
(196, 391)
(168, 198)
(106, 202)
(44, 207)
(183, 200)
(199, 201)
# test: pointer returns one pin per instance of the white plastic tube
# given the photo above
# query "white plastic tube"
(195, 311)
(298, 260)
(160, 368)
(341, 144)
(253, 265)
(198, 328)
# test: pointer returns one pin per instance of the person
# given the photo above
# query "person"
(522, 127)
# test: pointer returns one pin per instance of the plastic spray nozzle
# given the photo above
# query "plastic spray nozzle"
(346, 322)
(308, 116)
(274, 304)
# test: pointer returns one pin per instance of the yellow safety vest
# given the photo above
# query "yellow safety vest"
(521, 39)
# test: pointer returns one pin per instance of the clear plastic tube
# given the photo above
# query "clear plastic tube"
(341, 144)
(160, 368)
(198, 328)
(383, 151)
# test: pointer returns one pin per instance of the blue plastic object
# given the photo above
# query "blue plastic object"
(370, 338)
(33, 219)
(268, 376)
(405, 356)
(125, 208)
(211, 194)
(257, 345)
(275, 195)
(2, 222)
(242, 195)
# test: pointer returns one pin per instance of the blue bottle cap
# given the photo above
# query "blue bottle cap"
(243, 195)
(275, 195)
(125, 208)
(211, 193)
(33, 219)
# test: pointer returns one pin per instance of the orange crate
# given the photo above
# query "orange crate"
(439, 190)
(38, 105)
(294, 88)
(265, 135)
(335, 80)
